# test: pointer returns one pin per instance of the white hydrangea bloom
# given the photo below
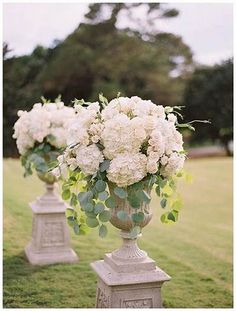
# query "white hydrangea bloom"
(132, 107)
(156, 144)
(152, 166)
(138, 137)
(127, 169)
(88, 159)
(82, 129)
(164, 160)
(77, 133)
(60, 137)
(172, 118)
(95, 131)
(120, 136)
(174, 164)
(40, 122)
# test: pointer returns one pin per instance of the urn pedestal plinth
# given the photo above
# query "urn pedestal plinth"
(50, 242)
(128, 278)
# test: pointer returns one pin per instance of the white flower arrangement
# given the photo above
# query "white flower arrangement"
(128, 142)
(41, 134)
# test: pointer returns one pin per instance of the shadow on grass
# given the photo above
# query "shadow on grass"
(17, 266)
(51, 286)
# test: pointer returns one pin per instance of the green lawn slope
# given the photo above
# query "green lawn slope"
(196, 252)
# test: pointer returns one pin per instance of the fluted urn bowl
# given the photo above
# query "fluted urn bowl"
(123, 205)
(48, 177)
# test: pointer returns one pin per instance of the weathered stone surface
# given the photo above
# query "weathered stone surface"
(128, 278)
(50, 242)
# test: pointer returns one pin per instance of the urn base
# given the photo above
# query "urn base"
(41, 258)
(140, 289)
(128, 278)
(50, 241)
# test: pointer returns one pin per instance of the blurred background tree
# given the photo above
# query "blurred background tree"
(209, 95)
(102, 55)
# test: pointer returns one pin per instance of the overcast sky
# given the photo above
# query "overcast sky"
(206, 27)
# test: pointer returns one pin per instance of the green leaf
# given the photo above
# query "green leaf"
(185, 125)
(176, 214)
(51, 138)
(73, 200)
(90, 214)
(134, 201)
(163, 218)
(138, 217)
(92, 222)
(158, 190)
(172, 185)
(84, 229)
(66, 194)
(120, 192)
(134, 232)
(70, 212)
(110, 202)
(72, 178)
(100, 185)
(47, 148)
(163, 183)
(137, 186)
(102, 231)
(163, 203)
(104, 165)
(76, 229)
(103, 195)
(122, 215)
(42, 167)
(89, 207)
(167, 190)
(85, 197)
(105, 216)
(71, 221)
(103, 100)
(171, 216)
(146, 196)
(99, 207)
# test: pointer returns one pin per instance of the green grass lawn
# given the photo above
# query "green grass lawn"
(196, 252)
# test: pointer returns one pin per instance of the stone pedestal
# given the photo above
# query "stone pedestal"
(50, 242)
(128, 278)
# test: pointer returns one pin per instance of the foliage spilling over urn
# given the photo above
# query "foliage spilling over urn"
(120, 150)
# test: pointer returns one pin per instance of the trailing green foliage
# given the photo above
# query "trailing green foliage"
(42, 157)
(93, 198)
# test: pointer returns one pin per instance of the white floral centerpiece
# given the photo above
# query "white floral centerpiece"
(41, 136)
(117, 152)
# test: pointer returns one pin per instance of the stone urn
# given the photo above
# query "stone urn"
(48, 178)
(127, 277)
(129, 250)
(50, 241)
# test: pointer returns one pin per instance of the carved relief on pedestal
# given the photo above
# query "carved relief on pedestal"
(138, 303)
(102, 299)
(52, 234)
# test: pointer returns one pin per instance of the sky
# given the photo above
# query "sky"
(206, 27)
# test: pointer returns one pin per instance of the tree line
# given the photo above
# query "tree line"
(100, 56)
